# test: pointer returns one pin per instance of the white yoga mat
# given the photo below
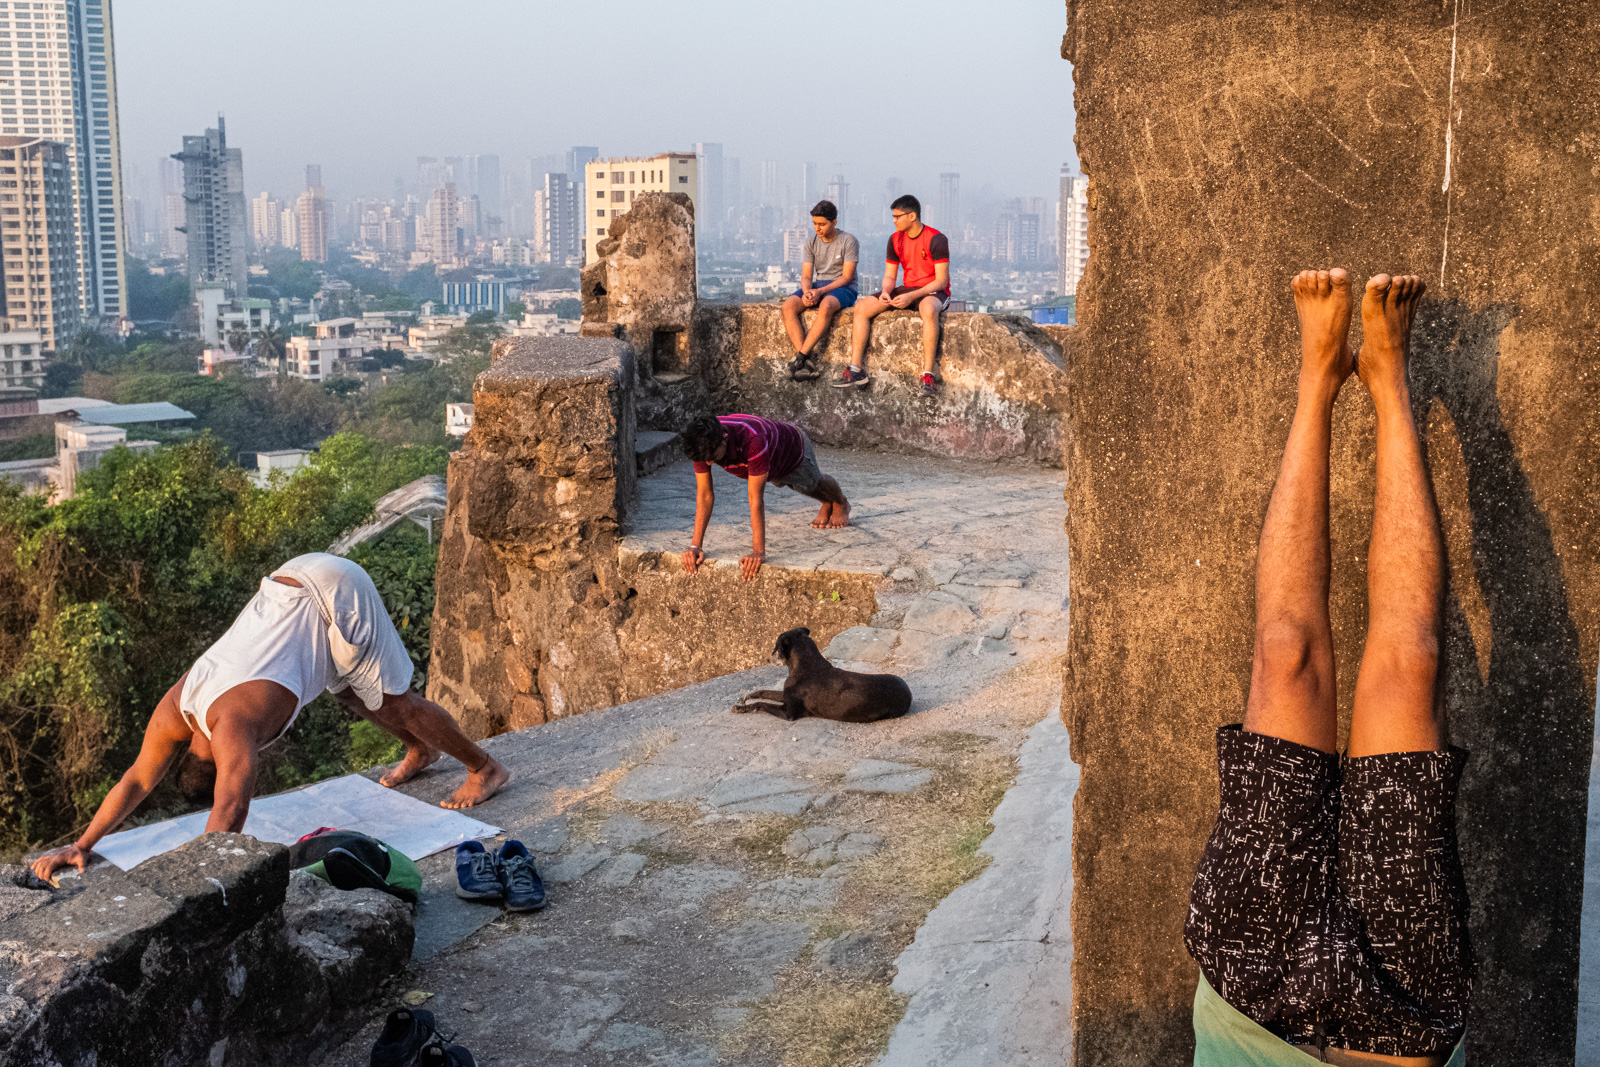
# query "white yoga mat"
(349, 803)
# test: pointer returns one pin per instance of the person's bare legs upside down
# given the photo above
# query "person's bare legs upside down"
(1309, 844)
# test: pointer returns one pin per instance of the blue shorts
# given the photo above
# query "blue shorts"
(845, 294)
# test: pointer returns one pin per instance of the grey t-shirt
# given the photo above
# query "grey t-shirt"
(827, 258)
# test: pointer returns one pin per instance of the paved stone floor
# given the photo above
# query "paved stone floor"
(738, 889)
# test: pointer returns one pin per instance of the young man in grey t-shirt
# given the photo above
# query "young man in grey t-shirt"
(827, 283)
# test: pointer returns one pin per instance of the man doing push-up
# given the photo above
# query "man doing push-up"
(1329, 913)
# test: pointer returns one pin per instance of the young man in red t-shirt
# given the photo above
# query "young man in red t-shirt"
(923, 254)
(759, 451)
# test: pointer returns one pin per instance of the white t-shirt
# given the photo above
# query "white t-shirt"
(330, 633)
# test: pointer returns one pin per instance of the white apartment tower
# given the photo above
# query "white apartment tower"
(441, 231)
(950, 202)
(312, 209)
(215, 221)
(266, 215)
(1072, 221)
(58, 81)
(611, 185)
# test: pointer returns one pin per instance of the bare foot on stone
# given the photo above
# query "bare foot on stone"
(1387, 310)
(418, 759)
(824, 517)
(1322, 301)
(480, 785)
(839, 518)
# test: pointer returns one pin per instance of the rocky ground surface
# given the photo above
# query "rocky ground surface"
(739, 889)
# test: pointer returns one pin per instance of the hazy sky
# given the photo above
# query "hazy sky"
(872, 89)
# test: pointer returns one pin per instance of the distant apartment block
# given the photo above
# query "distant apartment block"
(949, 220)
(466, 298)
(317, 358)
(312, 209)
(224, 316)
(289, 228)
(266, 221)
(458, 419)
(1073, 229)
(22, 359)
(439, 229)
(38, 246)
(611, 185)
(214, 210)
(794, 242)
(557, 222)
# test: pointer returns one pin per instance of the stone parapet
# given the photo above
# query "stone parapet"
(1003, 392)
(210, 955)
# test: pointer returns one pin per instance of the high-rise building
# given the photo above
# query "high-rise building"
(709, 203)
(810, 185)
(312, 209)
(732, 186)
(289, 228)
(61, 84)
(1072, 228)
(1016, 234)
(949, 202)
(430, 174)
(266, 221)
(771, 187)
(558, 222)
(613, 184)
(171, 240)
(839, 193)
(441, 233)
(483, 181)
(214, 213)
(39, 255)
(579, 157)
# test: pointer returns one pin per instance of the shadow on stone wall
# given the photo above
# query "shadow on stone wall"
(1516, 689)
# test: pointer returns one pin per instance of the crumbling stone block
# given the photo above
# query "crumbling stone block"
(201, 956)
(1230, 145)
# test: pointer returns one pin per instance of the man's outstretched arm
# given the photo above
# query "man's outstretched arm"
(164, 738)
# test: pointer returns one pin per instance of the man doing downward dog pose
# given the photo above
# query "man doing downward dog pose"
(317, 623)
(1329, 913)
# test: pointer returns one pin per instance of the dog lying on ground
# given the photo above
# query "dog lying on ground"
(817, 688)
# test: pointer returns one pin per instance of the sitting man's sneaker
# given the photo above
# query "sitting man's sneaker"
(405, 1034)
(447, 1056)
(524, 888)
(850, 378)
(929, 386)
(477, 876)
(801, 368)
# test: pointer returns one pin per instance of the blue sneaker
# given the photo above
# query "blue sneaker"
(524, 888)
(476, 874)
(851, 378)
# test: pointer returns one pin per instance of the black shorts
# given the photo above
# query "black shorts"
(1329, 904)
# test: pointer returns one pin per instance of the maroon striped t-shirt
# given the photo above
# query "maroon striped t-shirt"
(758, 446)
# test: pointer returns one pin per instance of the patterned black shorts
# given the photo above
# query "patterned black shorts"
(1329, 905)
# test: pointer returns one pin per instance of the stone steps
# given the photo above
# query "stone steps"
(654, 450)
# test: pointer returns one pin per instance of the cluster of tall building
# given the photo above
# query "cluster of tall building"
(61, 212)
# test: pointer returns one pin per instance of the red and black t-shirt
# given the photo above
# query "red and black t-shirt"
(917, 255)
(758, 446)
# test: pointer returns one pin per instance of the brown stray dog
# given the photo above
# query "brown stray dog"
(817, 688)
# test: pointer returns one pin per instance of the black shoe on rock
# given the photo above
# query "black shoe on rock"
(447, 1056)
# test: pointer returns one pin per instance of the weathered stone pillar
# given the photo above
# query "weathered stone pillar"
(1229, 145)
(529, 598)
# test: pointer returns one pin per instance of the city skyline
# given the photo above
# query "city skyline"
(689, 80)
